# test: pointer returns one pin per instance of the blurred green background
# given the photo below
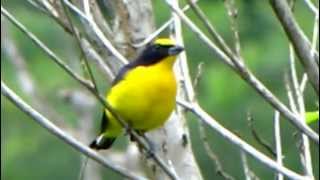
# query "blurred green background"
(30, 152)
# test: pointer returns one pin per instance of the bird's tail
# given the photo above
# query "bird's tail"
(102, 142)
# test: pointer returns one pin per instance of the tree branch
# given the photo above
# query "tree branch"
(277, 139)
(239, 67)
(53, 129)
(299, 41)
(219, 169)
(300, 106)
(212, 123)
(247, 171)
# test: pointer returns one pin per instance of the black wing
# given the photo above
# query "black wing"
(119, 77)
(104, 122)
(121, 74)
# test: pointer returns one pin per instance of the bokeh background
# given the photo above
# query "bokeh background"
(30, 152)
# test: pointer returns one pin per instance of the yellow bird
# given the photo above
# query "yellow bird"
(143, 92)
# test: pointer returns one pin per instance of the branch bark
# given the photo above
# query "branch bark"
(239, 67)
(299, 41)
(212, 123)
(78, 146)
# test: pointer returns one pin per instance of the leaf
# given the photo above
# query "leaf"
(312, 117)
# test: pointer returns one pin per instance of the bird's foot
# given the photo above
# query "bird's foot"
(151, 149)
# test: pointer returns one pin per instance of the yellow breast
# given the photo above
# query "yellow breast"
(145, 97)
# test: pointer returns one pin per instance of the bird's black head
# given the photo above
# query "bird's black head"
(157, 51)
(152, 54)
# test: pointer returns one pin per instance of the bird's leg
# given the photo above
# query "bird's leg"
(128, 130)
(150, 152)
(151, 146)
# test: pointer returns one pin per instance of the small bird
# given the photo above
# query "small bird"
(143, 92)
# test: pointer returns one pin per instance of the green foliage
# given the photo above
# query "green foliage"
(312, 116)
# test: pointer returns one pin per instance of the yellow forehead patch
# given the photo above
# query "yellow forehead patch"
(165, 41)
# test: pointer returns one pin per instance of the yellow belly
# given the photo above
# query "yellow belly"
(145, 98)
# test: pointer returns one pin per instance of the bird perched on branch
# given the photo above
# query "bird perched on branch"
(143, 93)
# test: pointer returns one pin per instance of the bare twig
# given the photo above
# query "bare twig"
(219, 170)
(247, 172)
(37, 6)
(83, 103)
(182, 61)
(264, 143)
(312, 7)
(91, 53)
(84, 59)
(305, 145)
(44, 48)
(88, 48)
(303, 82)
(45, 123)
(97, 31)
(299, 41)
(315, 39)
(212, 123)
(315, 36)
(291, 99)
(277, 139)
(26, 81)
(233, 14)
(246, 169)
(211, 29)
(198, 76)
(239, 67)
(159, 30)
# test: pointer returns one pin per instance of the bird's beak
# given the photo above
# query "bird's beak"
(175, 50)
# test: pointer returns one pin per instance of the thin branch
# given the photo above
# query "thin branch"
(37, 6)
(44, 48)
(299, 41)
(247, 172)
(264, 143)
(97, 31)
(315, 36)
(91, 53)
(159, 30)
(245, 165)
(198, 75)
(49, 7)
(83, 103)
(89, 50)
(312, 7)
(291, 99)
(303, 82)
(84, 59)
(50, 11)
(45, 123)
(213, 124)
(182, 59)
(277, 139)
(233, 14)
(26, 81)
(219, 170)
(86, 7)
(315, 39)
(200, 34)
(305, 145)
(211, 29)
(238, 66)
